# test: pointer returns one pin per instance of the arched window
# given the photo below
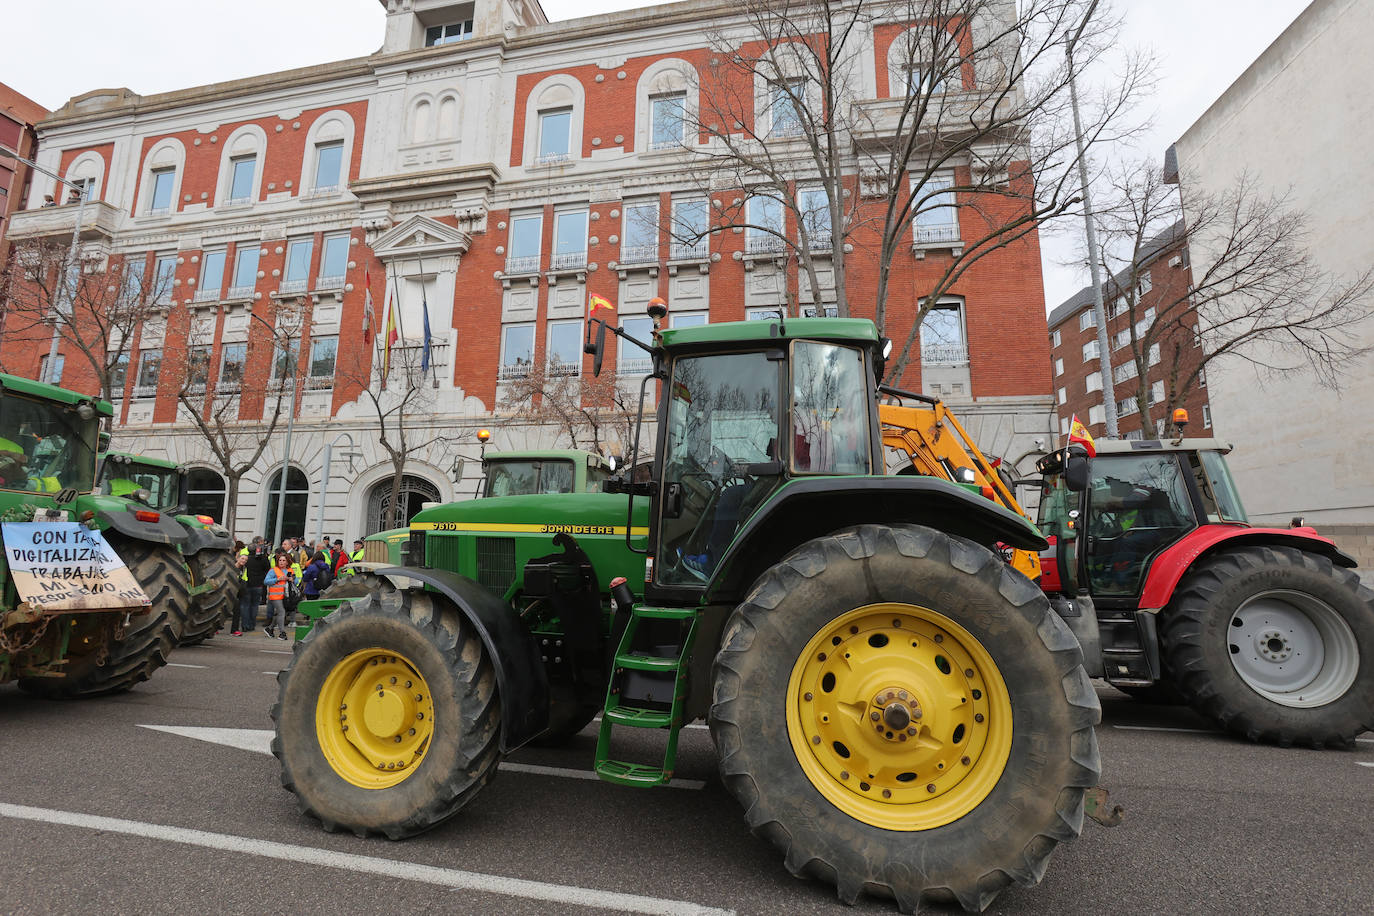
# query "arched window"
(415, 491)
(297, 502)
(160, 189)
(240, 169)
(666, 106)
(206, 493)
(448, 117)
(328, 155)
(419, 120)
(553, 121)
(88, 169)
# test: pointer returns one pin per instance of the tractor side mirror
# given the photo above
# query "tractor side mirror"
(597, 347)
(103, 441)
(1076, 473)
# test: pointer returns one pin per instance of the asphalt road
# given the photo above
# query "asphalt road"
(164, 800)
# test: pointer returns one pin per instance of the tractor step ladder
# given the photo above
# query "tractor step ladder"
(621, 712)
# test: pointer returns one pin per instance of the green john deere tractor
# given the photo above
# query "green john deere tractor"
(81, 645)
(893, 705)
(208, 548)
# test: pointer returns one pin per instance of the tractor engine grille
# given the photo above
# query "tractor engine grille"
(496, 564)
(442, 552)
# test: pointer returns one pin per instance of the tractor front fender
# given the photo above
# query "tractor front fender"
(1171, 564)
(198, 539)
(815, 506)
(521, 681)
(166, 530)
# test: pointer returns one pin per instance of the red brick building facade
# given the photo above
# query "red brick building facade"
(490, 185)
(1163, 280)
(18, 115)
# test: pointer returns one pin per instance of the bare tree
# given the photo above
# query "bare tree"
(399, 404)
(1256, 293)
(247, 380)
(591, 412)
(95, 310)
(976, 117)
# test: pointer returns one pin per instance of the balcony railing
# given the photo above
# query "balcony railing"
(330, 282)
(292, 286)
(145, 391)
(328, 190)
(552, 158)
(240, 292)
(946, 355)
(558, 369)
(319, 382)
(763, 244)
(820, 241)
(683, 252)
(639, 254)
(635, 366)
(928, 234)
(569, 260)
(237, 201)
(669, 143)
(98, 220)
(525, 264)
(206, 295)
(514, 371)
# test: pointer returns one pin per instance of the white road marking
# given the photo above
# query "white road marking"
(1371, 764)
(1162, 728)
(406, 871)
(259, 740)
(180, 665)
(277, 651)
(273, 672)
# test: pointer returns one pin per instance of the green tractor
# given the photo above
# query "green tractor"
(894, 706)
(208, 548)
(59, 637)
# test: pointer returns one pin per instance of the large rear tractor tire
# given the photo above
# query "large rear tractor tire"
(903, 714)
(387, 718)
(210, 609)
(148, 639)
(1276, 645)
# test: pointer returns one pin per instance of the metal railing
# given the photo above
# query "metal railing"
(327, 190)
(639, 254)
(237, 201)
(945, 355)
(292, 286)
(684, 252)
(206, 295)
(820, 241)
(240, 292)
(335, 282)
(635, 366)
(514, 371)
(319, 382)
(926, 234)
(552, 158)
(569, 260)
(557, 369)
(763, 244)
(526, 264)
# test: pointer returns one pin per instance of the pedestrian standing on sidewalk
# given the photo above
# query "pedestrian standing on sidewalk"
(317, 576)
(254, 575)
(278, 581)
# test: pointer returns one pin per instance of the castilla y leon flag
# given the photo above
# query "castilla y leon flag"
(597, 303)
(1079, 433)
(368, 313)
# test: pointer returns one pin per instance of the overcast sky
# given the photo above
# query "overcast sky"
(61, 48)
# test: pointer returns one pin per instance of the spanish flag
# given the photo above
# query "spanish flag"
(389, 338)
(1079, 433)
(598, 303)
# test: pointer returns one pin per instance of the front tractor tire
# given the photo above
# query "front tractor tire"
(387, 718)
(901, 713)
(148, 639)
(1276, 645)
(210, 609)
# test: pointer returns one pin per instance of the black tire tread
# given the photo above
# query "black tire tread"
(210, 609)
(977, 888)
(444, 626)
(1185, 623)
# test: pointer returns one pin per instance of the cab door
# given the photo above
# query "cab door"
(1058, 518)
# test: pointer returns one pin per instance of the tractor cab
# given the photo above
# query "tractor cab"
(544, 471)
(154, 482)
(1113, 513)
(48, 438)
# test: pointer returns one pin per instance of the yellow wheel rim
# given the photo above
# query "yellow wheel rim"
(899, 717)
(374, 718)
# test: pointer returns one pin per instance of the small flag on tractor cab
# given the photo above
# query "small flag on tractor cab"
(598, 303)
(1079, 433)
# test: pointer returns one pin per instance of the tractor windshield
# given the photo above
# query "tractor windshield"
(523, 478)
(1220, 499)
(127, 478)
(1137, 506)
(719, 458)
(45, 447)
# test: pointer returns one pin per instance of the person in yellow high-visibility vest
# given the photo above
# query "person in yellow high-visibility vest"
(14, 470)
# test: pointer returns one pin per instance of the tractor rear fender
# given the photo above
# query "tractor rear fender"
(198, 539)
(815, 506)
(521, 681)
(1171, 565)
(166, 530)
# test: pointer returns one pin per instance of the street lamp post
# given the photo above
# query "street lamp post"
(324, 477)
(71, 255)
(1104, 353)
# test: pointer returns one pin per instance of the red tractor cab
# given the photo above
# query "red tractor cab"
(1173, 592)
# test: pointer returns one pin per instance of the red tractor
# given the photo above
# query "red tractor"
(1173, 593)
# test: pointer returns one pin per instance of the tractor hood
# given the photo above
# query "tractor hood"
(578, 514)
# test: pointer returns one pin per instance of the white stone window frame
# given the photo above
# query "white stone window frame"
(211, 295)
(1087, 319)
(520, 264)
(784, 66)
(900, 58)
(329, 127)
(88, 167)
(416, 134)
(668, 76)
(553, 93)
(249, 139)
(935, 234)
(639, 254)
(570, 261)
(568, 370)
(167, 153)
(509, 370)
(680, 250)
(946, 354)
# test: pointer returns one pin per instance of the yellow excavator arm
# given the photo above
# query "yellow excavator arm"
(938, 446)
